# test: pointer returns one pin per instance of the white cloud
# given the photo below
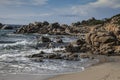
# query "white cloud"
(94, 6)
(39, 2)
(23, 2)
(106, 3)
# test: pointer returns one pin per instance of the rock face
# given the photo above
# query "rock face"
(114, 26)
(105, 40)
(100, 42)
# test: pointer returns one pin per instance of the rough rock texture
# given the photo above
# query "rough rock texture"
(53, 28)
(42, 28)
(114, 26)
(79, 46)
(59, 40)
(80, 42)
(65, 56)
(102, 39)
(1, 25)
(105, 39)
(72, 49)
(45, 39)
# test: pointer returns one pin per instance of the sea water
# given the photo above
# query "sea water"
(15, 47)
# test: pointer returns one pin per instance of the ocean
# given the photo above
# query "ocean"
(15, 47)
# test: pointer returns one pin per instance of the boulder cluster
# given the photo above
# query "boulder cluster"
(70, 51)
(105, 40)
(42, 28)
(1, 25)
(102, 39)
(52, 28)
(64, 56)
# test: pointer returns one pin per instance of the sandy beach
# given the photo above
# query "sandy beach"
(108, 70)
(24, 77)
(104, 71)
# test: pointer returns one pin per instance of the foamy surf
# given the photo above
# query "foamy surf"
(16, 47)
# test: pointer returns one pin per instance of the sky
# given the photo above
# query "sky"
(62, 11)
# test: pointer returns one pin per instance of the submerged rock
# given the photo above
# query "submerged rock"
(36, 59)
(64, 56)
(45, 39)
(80, 42)
(72, 49)
(59, 40)
(79, 46)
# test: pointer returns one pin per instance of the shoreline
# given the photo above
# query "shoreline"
(98, 70)
(24, 77)
(104, 70)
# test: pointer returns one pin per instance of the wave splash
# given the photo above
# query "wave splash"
(14, 48)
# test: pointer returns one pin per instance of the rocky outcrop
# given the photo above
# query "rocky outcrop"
(101, 42)
(53, 28)
(105, 40)
(79, 46)
(7, 27)
(72, 49)
(1, 25)
(58, 40)
(80, 42)
(101, 39)
(102, 36)
(45, 39)
(64, 56)
(114, 26)
(43, 28)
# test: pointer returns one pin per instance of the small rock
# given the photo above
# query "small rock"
(45, 39)
(37, 59)
(80, 42)
(59, 40)
(71, 48)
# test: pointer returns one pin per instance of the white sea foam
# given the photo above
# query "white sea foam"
(13, 60)
(50, 50)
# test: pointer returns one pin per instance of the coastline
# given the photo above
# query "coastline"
(109, 70)
(97, 70)
(24, 77)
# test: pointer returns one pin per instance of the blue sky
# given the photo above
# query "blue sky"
(62, 11)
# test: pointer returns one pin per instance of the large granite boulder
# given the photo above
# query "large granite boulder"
(105, 40)
(101, 42)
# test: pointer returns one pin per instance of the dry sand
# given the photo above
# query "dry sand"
(105, 71)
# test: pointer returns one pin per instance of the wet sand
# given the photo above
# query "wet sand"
(104, 71)
(24, 77)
